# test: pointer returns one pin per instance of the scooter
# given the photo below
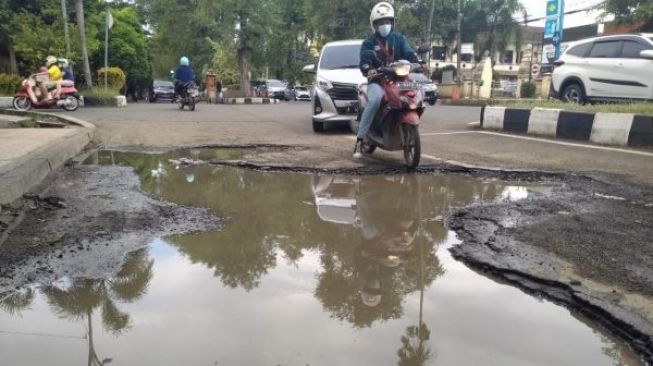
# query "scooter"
(190, 96)
(68, 98)
(395, 126)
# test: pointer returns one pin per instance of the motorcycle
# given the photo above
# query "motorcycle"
(190, 96)
(395, 126)
(68, 99)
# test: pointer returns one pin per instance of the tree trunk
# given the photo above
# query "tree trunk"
(13, 65)
(79, 9)
(243, 60)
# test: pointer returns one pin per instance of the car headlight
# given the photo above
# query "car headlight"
(324, 84)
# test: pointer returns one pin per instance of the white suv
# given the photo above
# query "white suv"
(605, 69)
(335, 94)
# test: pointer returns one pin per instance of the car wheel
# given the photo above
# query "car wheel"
(153, 100)
(318, 126)
(573, 93)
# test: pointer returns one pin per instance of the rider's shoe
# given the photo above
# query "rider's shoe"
(358, 149)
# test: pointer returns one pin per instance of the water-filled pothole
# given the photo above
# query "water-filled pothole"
(319, 270)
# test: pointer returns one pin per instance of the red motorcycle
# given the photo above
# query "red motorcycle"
(68, 98)
(395, 126)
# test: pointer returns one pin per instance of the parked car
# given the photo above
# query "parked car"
(302, 93)
(429, 88)
(605, 68)
(335, 94)
(274, 89)
(162, 90)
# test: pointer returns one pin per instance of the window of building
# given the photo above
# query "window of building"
(507, 57)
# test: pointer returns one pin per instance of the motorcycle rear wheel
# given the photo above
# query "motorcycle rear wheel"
(191, 106)
(412, 145)
(22, 103)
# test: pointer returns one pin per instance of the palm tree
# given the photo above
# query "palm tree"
(79, 9)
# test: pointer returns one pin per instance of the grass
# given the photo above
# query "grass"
(99, 96)
(641, 108)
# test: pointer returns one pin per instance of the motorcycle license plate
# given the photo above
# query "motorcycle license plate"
(409, 85)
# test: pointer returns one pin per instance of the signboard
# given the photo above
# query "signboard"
(467, 49)
(550, 28)
(552, 8)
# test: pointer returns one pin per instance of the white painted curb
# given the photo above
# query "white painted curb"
(493, 118)
(612, 128)
(543, 122)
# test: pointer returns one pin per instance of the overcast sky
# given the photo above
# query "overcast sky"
(537, 8)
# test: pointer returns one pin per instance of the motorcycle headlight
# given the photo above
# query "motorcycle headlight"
(324, 84)
(402, 69)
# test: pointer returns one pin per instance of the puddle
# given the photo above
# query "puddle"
(308, 270)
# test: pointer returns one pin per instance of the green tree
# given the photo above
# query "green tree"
(631, 11)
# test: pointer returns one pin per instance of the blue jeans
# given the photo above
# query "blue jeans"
(374, 98)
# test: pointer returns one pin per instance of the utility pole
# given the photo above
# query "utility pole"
(65, 26)
(458, 42)
(429, 39)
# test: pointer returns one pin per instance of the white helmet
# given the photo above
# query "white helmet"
(382, 10)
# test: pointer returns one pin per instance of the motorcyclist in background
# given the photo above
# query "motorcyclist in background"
(381, 48)
(183, 75)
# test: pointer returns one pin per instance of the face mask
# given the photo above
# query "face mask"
(385, 29)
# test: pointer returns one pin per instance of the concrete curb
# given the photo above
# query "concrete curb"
(62, 117)
(5, 102)
(621, 129)
(20, 174)
(250, 101)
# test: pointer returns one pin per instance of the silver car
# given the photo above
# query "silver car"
(337, 76)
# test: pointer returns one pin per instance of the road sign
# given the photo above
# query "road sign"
(550, 28)
(552, 8)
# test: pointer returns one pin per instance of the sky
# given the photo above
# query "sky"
(536, 9)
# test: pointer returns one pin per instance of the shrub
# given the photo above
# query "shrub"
(9, 84)
(116, 78)
(437, 73)
(99, 97)
(527, 90)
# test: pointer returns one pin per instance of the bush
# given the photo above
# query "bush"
(527, 90)
(437, 73)
(116, 78)
(9, 84)
(99, 97)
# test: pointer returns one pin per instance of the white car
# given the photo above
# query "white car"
(605, 69)
(301, 93)
(335, 95)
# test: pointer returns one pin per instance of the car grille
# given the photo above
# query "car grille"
(343, 92)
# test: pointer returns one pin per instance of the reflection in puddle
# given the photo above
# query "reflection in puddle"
(308, 270)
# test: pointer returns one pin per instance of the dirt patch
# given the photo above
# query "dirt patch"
(587, 245)
(84, 224)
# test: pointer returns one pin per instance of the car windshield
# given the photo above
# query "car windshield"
(300, 88)
(276, 84)
(163, 84)
(340, 57)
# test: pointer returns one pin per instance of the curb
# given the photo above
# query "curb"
(250, 101)
(21, 174)
(620, 129)
(5, 102)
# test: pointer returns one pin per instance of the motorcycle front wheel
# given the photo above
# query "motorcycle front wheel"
(22, 103)
(412, 145)
(70, 103)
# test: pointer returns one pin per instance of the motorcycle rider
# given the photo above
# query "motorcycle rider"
(67, 70)
(381, 48)
(53, 78)
(183, 75)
